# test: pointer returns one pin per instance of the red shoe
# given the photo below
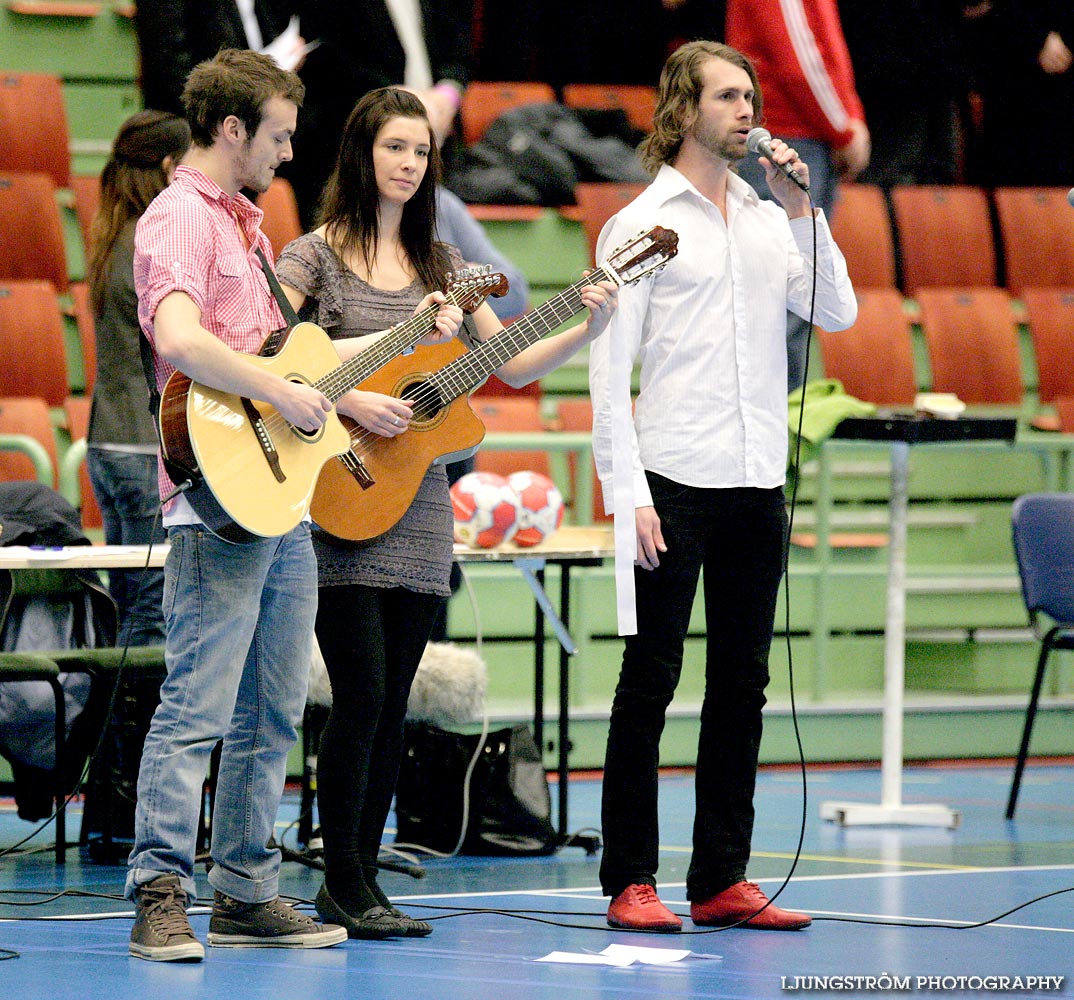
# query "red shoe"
(738, 902)
(638, 908)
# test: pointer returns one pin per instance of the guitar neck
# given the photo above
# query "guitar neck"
(467, 372)
(363, 365)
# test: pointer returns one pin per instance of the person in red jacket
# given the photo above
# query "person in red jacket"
(810, 101)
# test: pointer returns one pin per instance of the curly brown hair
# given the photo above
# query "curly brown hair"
(235, 82)
(680, 92)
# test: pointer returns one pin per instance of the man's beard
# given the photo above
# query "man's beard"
(723, 146)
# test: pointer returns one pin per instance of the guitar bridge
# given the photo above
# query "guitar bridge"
(356, 467)
(264, 439)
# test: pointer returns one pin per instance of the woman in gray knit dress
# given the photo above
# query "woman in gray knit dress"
(365, 269)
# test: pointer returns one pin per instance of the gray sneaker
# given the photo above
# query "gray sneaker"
(274, 924)
(161, 931)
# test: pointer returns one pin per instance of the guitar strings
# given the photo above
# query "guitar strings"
(458, 376)
(523, 325)
(362, 366)
(519, 335)
(465, 372)
(398, 336)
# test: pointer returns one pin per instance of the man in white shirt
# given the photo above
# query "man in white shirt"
(698, 474)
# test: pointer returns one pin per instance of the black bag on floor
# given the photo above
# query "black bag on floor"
(111, 788)
(509, 805)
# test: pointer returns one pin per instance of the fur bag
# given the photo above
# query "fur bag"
(448, 689)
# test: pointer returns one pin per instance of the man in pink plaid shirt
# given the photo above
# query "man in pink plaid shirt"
(239, 618)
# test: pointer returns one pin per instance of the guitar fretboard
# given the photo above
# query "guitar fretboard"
(468, 371)
(399, 338)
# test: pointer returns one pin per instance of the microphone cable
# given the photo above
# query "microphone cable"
(793, 506)
(401, 849)
(535, 915)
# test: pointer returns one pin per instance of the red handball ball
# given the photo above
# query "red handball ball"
(540, 507)
(486, 510)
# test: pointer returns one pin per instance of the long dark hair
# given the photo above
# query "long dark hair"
(351, 206)
(133, 176)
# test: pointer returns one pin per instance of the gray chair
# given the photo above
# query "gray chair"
(1043, 527)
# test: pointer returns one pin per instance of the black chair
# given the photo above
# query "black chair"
(124, 692)
(82, 605)
(16, 667)
(1043, 526)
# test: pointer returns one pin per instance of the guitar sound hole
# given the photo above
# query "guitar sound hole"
(308, 436)
(427, 401)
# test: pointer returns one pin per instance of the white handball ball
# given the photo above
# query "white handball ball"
(486, 510)
(540, 507)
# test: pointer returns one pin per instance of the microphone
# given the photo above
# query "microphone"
(759, 141)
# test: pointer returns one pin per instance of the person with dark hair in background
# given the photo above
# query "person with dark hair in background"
(175, 35)
(458, 228)
(552, 41)
(810, 100)
(698, 475)
(912, 143)
(690, 19)
(1023, 47)
(422, 44)
(239, 618)
(122, 434)
(375, 255)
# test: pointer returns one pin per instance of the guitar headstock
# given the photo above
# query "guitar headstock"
(470, 286)
(645, 254)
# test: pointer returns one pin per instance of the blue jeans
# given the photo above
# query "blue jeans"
(737, 536)
(822, 188)
(239, 642)
(125, 485)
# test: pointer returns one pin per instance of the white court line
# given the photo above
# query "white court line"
(583, 892)
(108, 915)
(927, 872)
(594, 893)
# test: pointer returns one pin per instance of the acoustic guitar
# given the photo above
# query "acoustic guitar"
(246, 471)
(365, 491)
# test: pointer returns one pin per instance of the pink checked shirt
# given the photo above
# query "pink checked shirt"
(188, 241)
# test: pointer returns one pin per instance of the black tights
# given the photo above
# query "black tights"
(372, 640)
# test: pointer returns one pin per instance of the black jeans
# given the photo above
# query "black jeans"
(372, 640)
(738, 536)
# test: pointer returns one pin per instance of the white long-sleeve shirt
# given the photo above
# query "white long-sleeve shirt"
(710, 333)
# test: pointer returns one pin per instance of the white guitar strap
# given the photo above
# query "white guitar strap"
(626, 533)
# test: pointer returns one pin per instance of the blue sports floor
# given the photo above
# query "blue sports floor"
(886, 901)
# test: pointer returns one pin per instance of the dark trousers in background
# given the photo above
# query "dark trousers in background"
(823, 189)
(738, 537)
(125, 485)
